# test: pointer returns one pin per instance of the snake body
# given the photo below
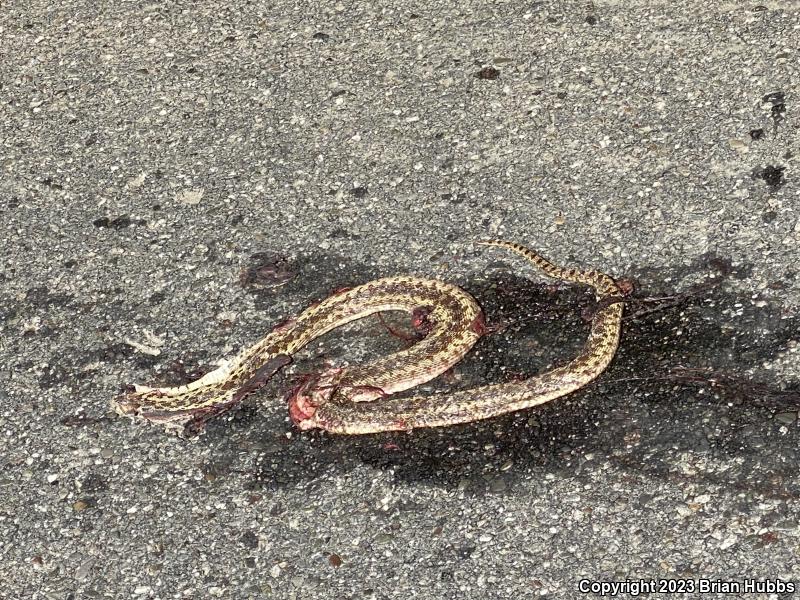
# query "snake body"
(353, 400)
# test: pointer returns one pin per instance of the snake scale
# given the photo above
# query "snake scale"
(355, 399)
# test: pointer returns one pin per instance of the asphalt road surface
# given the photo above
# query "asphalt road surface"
(178, 177)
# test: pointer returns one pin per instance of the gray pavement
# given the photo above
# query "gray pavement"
(177, 177)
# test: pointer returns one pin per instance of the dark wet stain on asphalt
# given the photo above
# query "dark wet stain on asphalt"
(677, 394)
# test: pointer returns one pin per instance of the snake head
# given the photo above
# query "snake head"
(139, 401)
(134, 397)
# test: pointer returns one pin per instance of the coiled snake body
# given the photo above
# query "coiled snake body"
(353, 400)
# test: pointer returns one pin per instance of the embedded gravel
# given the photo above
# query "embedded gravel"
(177, 177)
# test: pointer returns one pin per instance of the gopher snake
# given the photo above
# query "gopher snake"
(352, 400)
